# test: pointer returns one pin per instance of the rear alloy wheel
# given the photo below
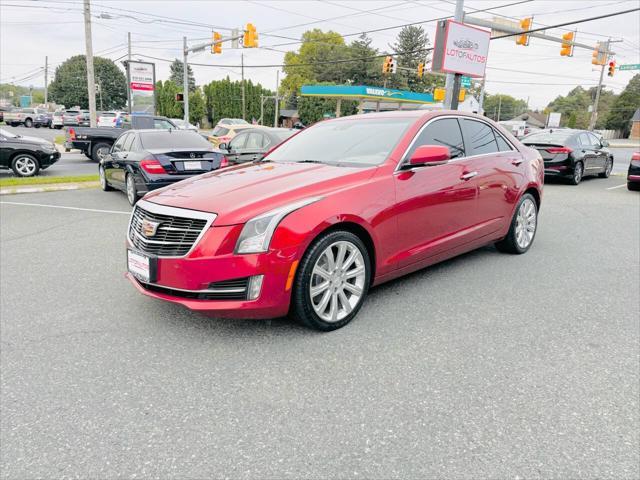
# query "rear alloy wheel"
(103, 180)
(100, 151)
(132, 191)
(25, 165)
(607, 169)
(332, 281)
(28, 123)
(578, 172)
(523, 227)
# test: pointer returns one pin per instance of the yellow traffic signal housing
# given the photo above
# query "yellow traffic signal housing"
(420, 70)
(461, 95)
(567, 48)
(250, 36)
(612, 68)
(439, 94)
(388, 66)
(598, 56)
(525, 24)
(217, 45)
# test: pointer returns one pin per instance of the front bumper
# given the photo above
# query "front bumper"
(633, 175)
(48, 158)
(560, 168)
(212, 260)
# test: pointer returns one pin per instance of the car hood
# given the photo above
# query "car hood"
(39, 141)
(237, 194)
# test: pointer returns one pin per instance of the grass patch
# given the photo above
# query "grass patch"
(17, 181)
(59, 139)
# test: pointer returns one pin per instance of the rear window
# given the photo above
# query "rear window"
(173, 139)
(72, 112)
(219, 131)
(107, 114)
(548, 137)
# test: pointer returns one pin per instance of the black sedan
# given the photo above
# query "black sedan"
(26, 156)
(143, 160)
(633, 175)
(571, 154)
(252, 144)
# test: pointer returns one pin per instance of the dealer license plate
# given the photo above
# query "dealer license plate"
(192, 165)
(140, 266)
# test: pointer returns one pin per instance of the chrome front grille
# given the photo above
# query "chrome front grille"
(174, 236)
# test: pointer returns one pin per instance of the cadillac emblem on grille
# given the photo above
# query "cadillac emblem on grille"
(149, 228)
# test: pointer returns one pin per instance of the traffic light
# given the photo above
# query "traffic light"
(439, 94)
(420, 69)
(389, 65)
(567, 47)
(461, 95)
(612, 68)
(250, 36)
(525, 24)
(599, 55)
(217, 43)
(179, 97)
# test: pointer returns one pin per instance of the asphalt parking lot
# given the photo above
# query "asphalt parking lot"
(485, 366)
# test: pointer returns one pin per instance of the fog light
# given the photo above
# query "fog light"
(255, 285)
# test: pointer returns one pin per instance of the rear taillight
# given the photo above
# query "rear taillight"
(78, 118)
(152, 166)
(224, 162)
(559, 150)
(72, 134)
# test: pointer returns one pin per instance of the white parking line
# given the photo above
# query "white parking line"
(65, 208)
(617, 186)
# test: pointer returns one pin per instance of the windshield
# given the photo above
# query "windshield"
(174, 139)
(107, 114)
(6, 134)
(283, 134)
(358, 141)
(219, 131)
(548, 136)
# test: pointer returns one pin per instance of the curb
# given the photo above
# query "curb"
(624, 145)
(53, 187)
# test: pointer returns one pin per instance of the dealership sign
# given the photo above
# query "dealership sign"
(460, 48)
(141, 78)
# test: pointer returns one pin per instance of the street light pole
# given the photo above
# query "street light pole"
(91, 83)
(46, 80)
(185, 81)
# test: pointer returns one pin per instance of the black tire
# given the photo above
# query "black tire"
(578, 173)
(103, 180)
(633, 186)
(509, 244)
(132, 196)
(58, 127)
(302, 308)
(13, 124)
(28, 123)
(607, 169)
(25, 165)
(36, 125)
(100, 148)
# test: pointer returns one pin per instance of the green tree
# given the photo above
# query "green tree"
(196, 107)
(166, 104)
(624, 106)
(506, 105)
(176, 75)
(411, 49)
(364, 70)
(223, 98)
(69, 86)
(574, 107)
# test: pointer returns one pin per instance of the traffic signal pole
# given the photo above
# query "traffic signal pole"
(452, 83)
(594, 111)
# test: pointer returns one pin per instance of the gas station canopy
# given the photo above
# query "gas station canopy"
(364, 92)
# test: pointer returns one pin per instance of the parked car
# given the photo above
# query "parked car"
(57, 121)
(26, 156)
(70, 118)
(251, 144)
(107, 119)
(143, 160)
(571, 154)
(224, 133)
(232, 121)
(29, 117)
(182, 125)
(633, 175)
(345, 204)
(96, 142)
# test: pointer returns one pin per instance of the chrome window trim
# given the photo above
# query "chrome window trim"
(403, 159)
(175, 212)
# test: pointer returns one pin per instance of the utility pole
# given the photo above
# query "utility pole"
(594, 112)
(185, 81)
(452, 83)
(129, 46)
(46, 80)
(481, 101)
(242, 76)
(499, 106)
(277, 100)
(91, 83)
(261, 109)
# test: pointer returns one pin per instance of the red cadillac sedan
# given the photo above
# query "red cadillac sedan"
(344, 205)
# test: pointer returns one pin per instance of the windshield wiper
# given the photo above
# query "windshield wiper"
(309, 161)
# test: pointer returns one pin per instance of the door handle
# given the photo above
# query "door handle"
(516, 161)
(468, 176)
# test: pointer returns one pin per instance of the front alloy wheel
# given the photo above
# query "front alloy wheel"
(25, 166)
(332, 281)
(523, 227)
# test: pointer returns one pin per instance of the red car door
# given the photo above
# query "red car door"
(435, 206)
(500, 171)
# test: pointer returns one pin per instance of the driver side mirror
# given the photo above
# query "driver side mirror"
(223, 146)
(429, 155)
(604, 143)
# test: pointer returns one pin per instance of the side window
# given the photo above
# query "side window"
(238, 142)
(479, 137)
(117, 147)
(161, 124)
(441, 132)
(503, 145)
(584, 139)
(254, 142)
(135, 144)
(594, 140)
(127, 143)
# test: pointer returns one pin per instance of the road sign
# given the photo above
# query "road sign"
(465, 82)
(629, 66)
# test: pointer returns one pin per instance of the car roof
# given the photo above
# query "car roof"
(163, 130)
(416, 114)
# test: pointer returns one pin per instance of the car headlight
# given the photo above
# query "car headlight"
(257, 232)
